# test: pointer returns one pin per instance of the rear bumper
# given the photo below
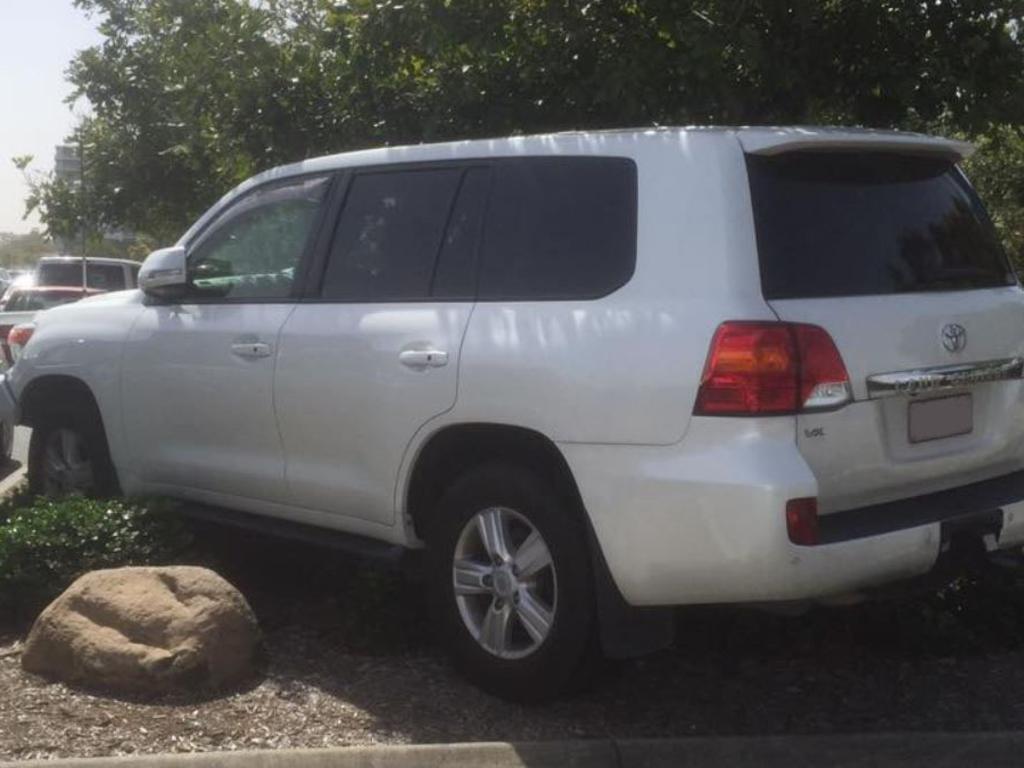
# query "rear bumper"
(703, 521)
(978, 504)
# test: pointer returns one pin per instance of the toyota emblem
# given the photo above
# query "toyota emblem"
(954, 337)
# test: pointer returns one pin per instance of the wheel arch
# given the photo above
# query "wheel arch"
(456, 448)
(54, 393)
(625, 631)
(56, 396)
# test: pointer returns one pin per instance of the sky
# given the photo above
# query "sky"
(38, 38)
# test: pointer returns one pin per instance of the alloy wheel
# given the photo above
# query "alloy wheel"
(67, 465)
(505, 583)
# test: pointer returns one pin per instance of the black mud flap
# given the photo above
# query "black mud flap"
(626, 631)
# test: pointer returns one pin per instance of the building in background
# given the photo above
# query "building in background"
(67, 167)
(67, 164)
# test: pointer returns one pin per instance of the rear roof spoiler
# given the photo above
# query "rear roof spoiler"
(775, 141)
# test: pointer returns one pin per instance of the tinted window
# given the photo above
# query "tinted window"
(455, 273)
(389, 234)
(105, 277)
(845, 224)
(559, 228)
(253, 249)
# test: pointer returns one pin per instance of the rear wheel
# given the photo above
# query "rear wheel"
(68, 456)
(509, 578)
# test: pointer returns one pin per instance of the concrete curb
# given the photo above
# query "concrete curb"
(13, 480)
(925, 750)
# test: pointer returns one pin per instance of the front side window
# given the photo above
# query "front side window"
(254, 248)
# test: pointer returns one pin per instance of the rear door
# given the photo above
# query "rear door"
(894, 255)
(374, 353)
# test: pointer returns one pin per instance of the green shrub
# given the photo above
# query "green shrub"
(17, 499)
(45, 544)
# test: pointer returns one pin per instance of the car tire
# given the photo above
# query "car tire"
(6, 441)
(68, 455)
(519, 629)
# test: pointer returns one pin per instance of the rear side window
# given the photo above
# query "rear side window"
(851, 224)
(59, 273)
(455, 273)
(389, 235)
(559, 228)
(106, 277)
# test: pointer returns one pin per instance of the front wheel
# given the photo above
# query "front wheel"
(510, 584)
(6, 441)
(68, 456)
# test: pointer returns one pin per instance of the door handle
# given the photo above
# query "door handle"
(423, 358)
(251, 349)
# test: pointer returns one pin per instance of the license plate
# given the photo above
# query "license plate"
(942, 417)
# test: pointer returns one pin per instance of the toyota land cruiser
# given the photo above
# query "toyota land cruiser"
(591, 375)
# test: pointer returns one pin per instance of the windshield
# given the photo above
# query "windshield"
(855, 223)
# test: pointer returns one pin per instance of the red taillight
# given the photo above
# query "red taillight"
(17, 338)
(824, 382)
(764, 368)
(802, 521)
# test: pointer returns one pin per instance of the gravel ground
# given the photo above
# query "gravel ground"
(349, 660)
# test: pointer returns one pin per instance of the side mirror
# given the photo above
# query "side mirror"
(163, 273)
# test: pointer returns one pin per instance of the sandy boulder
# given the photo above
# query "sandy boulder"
(146, 630)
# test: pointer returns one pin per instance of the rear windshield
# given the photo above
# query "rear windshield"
(106, 277)
(853, 224)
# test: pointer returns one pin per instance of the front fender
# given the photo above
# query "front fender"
(85, 341)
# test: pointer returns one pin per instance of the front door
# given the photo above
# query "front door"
(198, 374)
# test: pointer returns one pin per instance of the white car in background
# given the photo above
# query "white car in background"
(593, 375)
(100, 273)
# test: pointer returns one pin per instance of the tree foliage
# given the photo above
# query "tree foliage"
(23, 250)
(189, 98)
(997, 169)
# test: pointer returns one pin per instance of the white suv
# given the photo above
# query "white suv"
(593, 375)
